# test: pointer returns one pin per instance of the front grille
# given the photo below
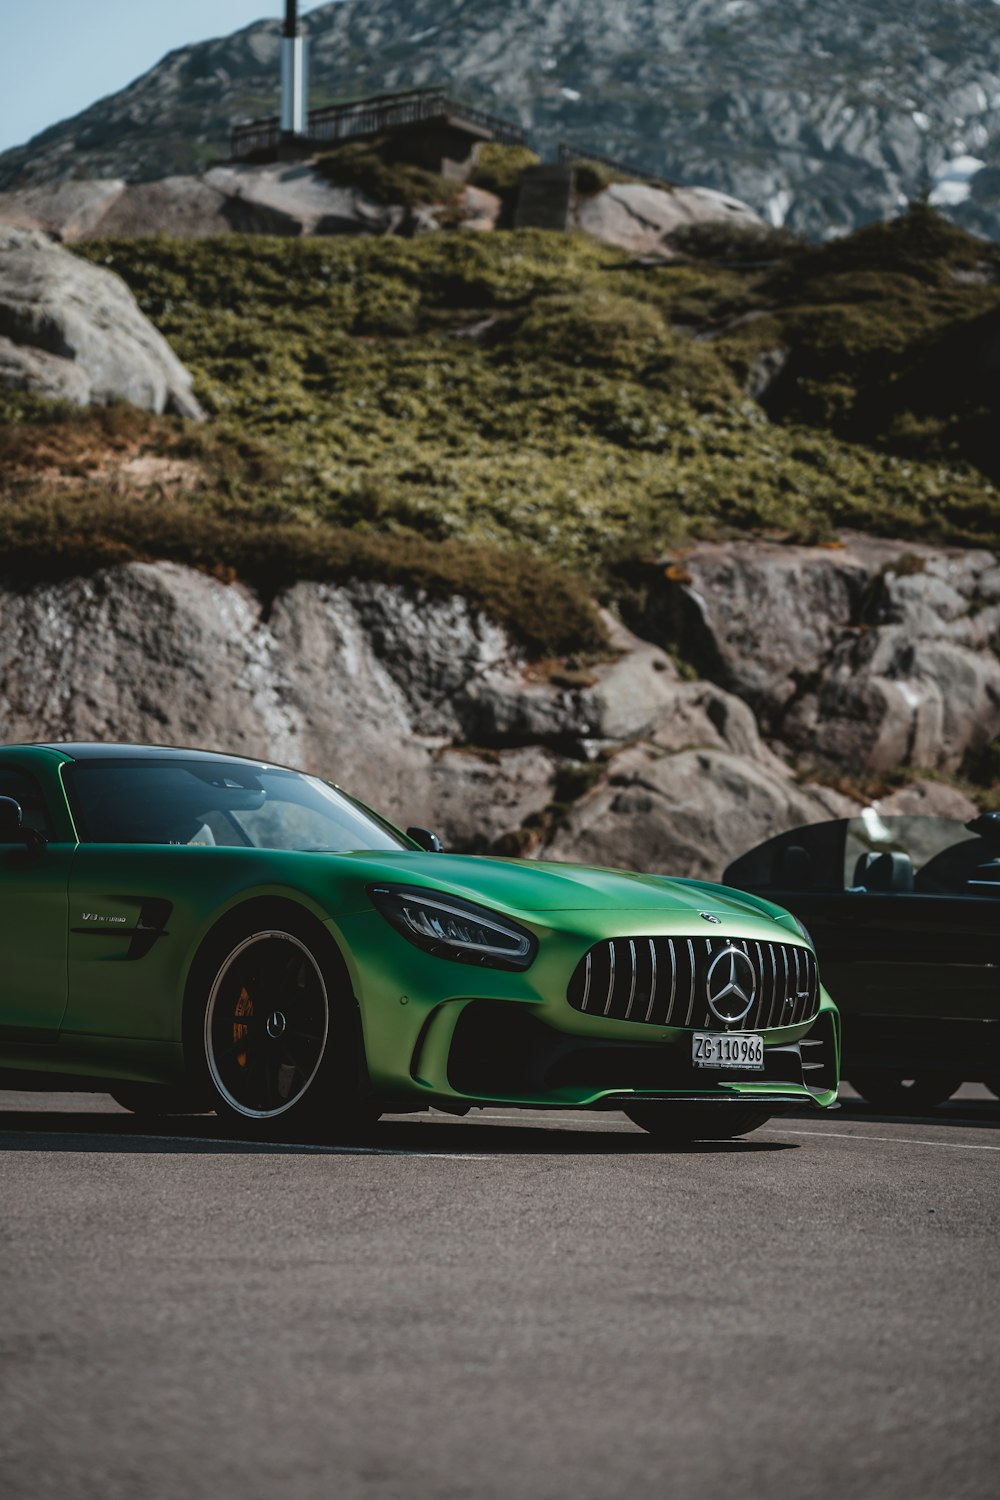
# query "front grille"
(663, 982)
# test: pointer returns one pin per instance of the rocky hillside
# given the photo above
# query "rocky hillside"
(545, 392)
(823, 114)
(377, 198)
(430, 710)
(428, 462)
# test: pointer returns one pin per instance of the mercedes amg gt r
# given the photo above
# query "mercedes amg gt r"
(190, 931)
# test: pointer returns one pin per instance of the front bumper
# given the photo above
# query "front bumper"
(442, 1032)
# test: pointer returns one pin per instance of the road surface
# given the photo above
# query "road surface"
(516, 1306)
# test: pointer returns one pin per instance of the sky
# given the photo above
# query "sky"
(58, 56)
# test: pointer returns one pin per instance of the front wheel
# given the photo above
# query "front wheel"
(278, 1033)
(898, 1094)
(677, 1124)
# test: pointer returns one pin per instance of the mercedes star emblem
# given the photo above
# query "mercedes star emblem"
(731, 983)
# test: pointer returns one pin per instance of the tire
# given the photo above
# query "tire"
(676, 1124)
(151, 1100)
(273, 1030)
(897, 1093)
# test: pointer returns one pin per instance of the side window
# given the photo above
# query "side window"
(25, 789)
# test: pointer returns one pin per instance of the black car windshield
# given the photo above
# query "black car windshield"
(875, 854)
(133, 800)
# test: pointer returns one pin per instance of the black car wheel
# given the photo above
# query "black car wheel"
(676, 1124)
(279, 1037)
(151, 1100)
(895, 1092)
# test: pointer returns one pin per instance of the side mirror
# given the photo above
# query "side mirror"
(424, 838)
(12, 829)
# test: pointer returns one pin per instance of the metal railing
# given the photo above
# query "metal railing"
(359, 118)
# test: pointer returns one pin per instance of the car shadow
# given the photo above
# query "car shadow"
(201, 1135)
(969, 1114)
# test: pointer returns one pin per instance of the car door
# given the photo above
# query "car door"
(125, 955)
(34, 904)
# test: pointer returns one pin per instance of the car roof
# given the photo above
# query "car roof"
(85, 751)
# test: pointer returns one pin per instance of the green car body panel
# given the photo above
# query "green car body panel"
(99, 940)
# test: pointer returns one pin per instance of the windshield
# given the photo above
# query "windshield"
(935, 856)
(871, 853)
(229, 803)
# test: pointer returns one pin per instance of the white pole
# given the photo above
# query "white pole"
(293, 85)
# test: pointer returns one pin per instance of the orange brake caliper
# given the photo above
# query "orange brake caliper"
(244, 1007)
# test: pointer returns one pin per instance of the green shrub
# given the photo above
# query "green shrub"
(590, 177)
(546, 609)
(592, 410)
(498, 168)
(376, 168)
(737, 243)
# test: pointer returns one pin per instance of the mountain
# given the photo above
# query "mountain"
(823, 114)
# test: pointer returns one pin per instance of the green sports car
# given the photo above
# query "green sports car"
(190, 931)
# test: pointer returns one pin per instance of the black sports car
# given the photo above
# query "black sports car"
(905, 917)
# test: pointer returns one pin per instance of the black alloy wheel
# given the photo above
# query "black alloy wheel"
(899, 1094)
(279, 1040)
(677, 1124)
(266, 1025)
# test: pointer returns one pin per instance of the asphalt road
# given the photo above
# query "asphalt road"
(522, 1307)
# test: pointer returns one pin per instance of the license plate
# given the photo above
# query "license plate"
(721, 1049)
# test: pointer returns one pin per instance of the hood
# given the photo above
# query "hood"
(534, 886)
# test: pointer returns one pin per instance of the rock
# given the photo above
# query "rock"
(161, 653)
(72, 329)
(872, 655)
(478, 796)
(706, 716)
(420, 706)
(639, 217)
(46, 374)
(927, 799)
(300, 198)
(693, 811)
(479, 209)
(69, 210)
(765, 369)
(189, 207)
(286, 198)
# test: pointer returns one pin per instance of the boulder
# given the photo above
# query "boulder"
(689, 812)
(72, 329)
(158, 652)
(479, 797)
(286, 198)
(298, 196)
(927, 799)
(873, 655)
(422, 707)
(639, 217)
(70, 210)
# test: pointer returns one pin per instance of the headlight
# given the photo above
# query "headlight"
(451, 928)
